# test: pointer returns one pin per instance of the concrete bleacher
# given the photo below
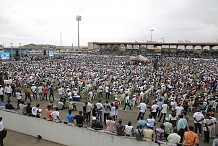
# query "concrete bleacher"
(64, 134)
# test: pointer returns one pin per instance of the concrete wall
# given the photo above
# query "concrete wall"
(64, 134)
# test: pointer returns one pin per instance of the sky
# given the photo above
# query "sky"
(42, 21)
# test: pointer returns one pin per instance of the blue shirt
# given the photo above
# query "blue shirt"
(69, 118)
(141, 123)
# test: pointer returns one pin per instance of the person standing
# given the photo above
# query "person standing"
(99, 110)
(198, 119)
(88, 111)
(1, 93)
(107, 92)
(45, 93)
(154, 108)
(106, 111)
(142, 107)
(126, 100)
(8, 91)
(168, 127)
(190, 137)
(113, 111)
(40, 92)
(51, 92)
(163, 111)
(18, 96)
(33, 88)
(27, 92)
(207, 125)
(181, 126)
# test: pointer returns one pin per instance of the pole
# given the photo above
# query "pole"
(12, 51)
(20, 50)
(151, 33)
(78, 34)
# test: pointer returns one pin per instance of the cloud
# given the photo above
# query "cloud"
(103, 20)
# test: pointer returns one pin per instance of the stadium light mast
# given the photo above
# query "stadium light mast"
(78, 18)
(151, 33)
(12, 51)
(20, 50)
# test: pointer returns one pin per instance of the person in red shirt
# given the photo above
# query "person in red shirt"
(190, 137)
(45, 93)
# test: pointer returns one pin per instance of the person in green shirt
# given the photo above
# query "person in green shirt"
(168, 127)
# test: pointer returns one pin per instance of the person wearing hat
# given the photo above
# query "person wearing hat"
(168, 127)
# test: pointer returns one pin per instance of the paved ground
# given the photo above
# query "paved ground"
(18, 139)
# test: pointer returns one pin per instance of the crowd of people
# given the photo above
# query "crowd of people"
(172, 93)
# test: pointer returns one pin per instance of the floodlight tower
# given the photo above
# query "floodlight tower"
(78, 18)
(151, 33)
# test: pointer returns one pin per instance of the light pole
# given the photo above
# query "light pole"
(151, 33)
(20, 50)
(78, 18)
(12, 51)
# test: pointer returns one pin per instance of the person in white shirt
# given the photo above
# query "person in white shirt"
(163, 111)
(99, 110)
(126, 100)
(179, 110)
(69, 95)
(55, 115)
(60, 92)
(198, 119)
(113, 111)
(107, 92)
(35, 111)
(173, 138)
(1, 93)
(88, 110)
(18, 96)
(100, 90)
(8, 91)
(142, 107)
(154, 108)
(40, 92)
(33, 88)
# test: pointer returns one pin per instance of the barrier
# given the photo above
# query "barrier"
(64, 134)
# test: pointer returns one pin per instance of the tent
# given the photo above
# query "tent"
(139, 58)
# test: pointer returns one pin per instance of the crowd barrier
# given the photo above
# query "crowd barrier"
(64, 134)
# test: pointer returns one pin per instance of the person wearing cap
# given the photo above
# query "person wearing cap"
(198, 119)
(96, 124)
(168, 127)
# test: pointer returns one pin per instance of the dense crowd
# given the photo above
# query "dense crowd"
(169, 91)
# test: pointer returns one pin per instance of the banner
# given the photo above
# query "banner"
(5, 55)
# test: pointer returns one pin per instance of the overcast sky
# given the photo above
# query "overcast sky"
(41, 21)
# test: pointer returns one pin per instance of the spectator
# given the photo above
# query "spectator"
(110, 124)
(141, 122)
(163, 111)
(18, 96)
(181, 126)
(22, 108)
(198, 119)
(55, 116)
(3, 132)
(36, 111)
(173, 118)
(96, 124)
(70, 118)
(128, 129)
(106, 111)
(154, 108)
(150, 122)
(168, 127)
(29, 109)
(79, 119)
(160, 134)
(120, 128)
(48, 113)
(139, 133)
(173, 138)
(148, 134)
(208, 121)
(9, 106)
(1, 94)
(190, 137)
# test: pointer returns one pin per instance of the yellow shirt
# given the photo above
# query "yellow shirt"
(148, 134)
